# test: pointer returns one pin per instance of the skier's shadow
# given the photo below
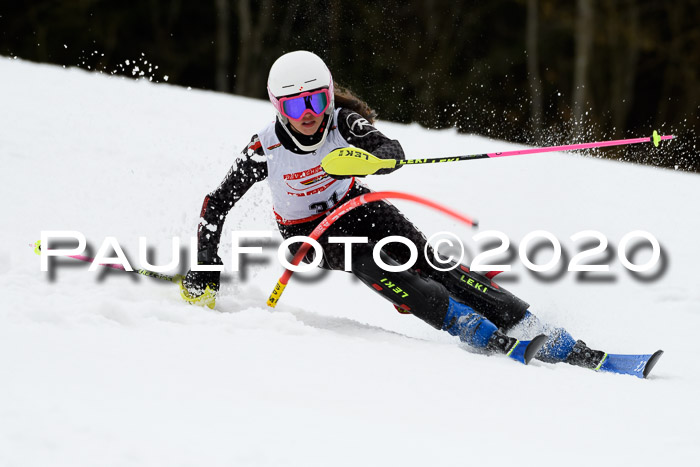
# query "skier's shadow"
(337, 325)
(348, 327)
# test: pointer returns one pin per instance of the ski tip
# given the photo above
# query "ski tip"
(652, 361)
(533, 347)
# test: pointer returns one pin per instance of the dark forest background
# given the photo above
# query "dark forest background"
(534, 71)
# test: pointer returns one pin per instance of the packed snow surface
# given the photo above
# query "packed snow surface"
(113, 369)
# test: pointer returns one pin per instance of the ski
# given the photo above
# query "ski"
(636, 365)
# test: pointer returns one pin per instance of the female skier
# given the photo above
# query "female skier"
(313, 117)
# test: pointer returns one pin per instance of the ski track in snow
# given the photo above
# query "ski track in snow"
(113, 369)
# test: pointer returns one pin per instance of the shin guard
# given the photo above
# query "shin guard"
(421, 296)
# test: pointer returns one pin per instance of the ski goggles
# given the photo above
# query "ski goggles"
(295, 107)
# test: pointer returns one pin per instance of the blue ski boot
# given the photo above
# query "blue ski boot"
(476, 331)
(582, 355)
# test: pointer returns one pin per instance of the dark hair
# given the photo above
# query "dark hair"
(344, 97)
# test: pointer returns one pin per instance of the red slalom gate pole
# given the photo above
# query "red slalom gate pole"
(344, 209)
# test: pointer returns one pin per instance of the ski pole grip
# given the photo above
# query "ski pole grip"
(354, 162)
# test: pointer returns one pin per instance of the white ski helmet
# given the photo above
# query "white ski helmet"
(294, 73)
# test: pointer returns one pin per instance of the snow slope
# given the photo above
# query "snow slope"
(113, 369)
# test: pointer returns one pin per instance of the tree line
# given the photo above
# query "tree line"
(531, 71)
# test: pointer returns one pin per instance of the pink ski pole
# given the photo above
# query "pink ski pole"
(655, 139)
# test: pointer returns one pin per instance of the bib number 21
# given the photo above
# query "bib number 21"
(322, 206)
